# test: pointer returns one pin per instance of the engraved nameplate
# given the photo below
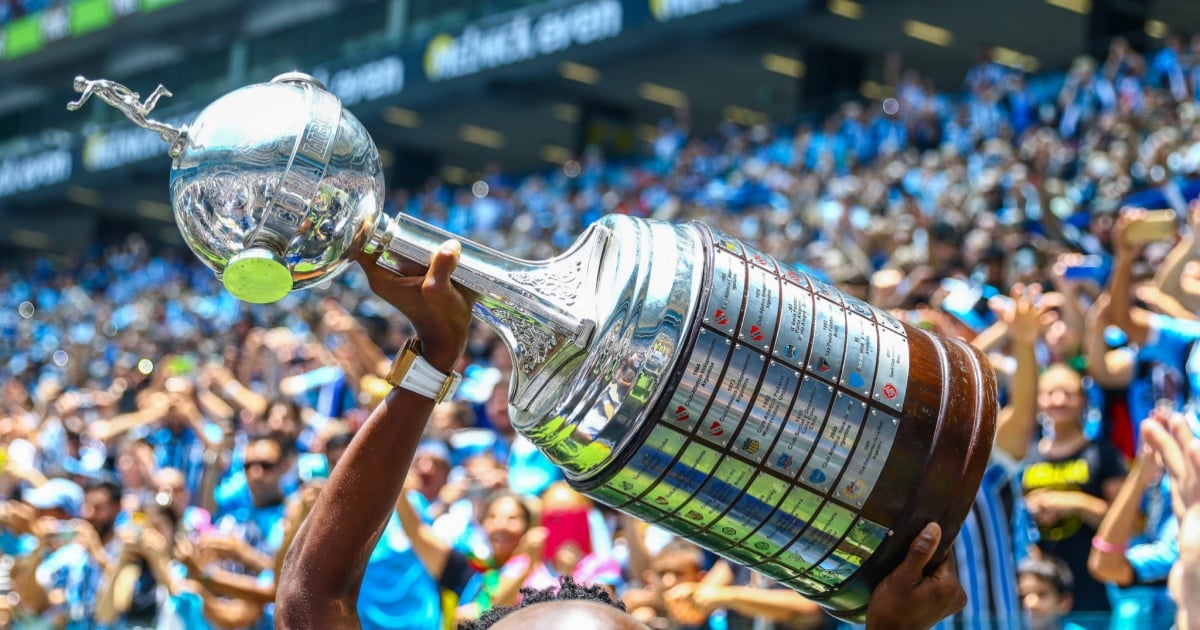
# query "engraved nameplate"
(891, 377)
(759, 259)
(649, 463)
(728, 291)
(794, 334)
(798, 278)
(862, 351)
(736, 389)
(829, 341)
(870, 455)
(769, 412)
(724, 242)
(699, 383)
(762, 310)
(841, 430)
(849, 556)
(683, 479)
(719, 492)
(802, 428)
(753, 508)
(793, 516)
(826, 529)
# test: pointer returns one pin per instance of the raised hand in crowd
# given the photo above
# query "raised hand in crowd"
(1175, 444)
(1134, 322)
(1179, 274)
(1108, 561)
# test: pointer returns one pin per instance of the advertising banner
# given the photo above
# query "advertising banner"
(521, 36)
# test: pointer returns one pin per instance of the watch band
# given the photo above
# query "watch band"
(412, 372)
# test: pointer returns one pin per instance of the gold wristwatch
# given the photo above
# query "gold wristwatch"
(412, 372)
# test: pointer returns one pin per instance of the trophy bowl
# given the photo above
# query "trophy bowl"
(265, 234)
(671, 372)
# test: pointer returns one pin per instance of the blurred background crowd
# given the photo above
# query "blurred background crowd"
(160, 442)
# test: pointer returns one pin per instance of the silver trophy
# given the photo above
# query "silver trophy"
(671, 371)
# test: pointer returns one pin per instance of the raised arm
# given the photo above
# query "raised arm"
(430, 550)
(1107, 562)
(1120, 284)
(1015, 426)
(323, 570)
(1110, 369)
(1168, 276)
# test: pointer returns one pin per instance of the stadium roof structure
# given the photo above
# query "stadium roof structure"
(454, 97)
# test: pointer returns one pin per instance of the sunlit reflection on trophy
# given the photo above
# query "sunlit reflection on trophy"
(670, 371)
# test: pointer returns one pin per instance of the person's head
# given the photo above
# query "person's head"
(101, 505)
(283, 416)
(132, 468)
(496, 408)
(431, 463)
(170, 488)
(335, 447)
(1061, 398)
(679, 562)
(1046, 589)
(566, 605)
(485, 472)
(265, 463)
(450, 416)
(505, 520)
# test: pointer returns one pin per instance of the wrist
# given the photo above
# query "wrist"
(443, 362)
(415, 371)
(1106, 546)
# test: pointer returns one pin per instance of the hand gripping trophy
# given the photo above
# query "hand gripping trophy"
(669, 370)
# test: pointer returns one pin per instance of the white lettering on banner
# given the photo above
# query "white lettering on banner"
(521, 38)
(56, 24)
(28, 172)
(366, 82)
(109, 150)
(666, 10)
(124, 7)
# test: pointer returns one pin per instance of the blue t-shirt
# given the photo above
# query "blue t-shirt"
(1173, 342)
(261, 527)
(397, 591)
(233, 494)
(183, 451)
(183, 611)
(73, 570)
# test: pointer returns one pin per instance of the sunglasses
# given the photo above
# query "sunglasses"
(267, 466)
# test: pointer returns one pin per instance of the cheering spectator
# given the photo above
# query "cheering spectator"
(1135, 547)
(1069, 481)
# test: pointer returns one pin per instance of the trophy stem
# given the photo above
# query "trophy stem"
(537, 307)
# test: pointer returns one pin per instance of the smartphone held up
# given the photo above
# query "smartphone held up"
(1153, 226)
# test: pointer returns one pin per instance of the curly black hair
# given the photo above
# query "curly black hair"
(567, 589)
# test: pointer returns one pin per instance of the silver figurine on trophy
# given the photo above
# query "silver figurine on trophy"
(670, 371)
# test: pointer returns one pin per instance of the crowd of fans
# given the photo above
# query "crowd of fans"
(161, 442)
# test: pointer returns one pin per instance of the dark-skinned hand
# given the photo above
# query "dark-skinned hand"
(909, 599)
(439, 310)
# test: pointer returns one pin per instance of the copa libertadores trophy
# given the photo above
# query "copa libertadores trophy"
(671, 371)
